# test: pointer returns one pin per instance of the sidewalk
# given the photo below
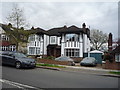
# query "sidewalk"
(88, 70)
(91, 70)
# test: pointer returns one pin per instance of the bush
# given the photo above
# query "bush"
(108, 56)
(49, 57)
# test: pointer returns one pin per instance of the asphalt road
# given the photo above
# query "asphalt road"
(44, 78)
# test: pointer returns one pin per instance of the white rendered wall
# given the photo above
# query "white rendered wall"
(81, 45)
(62, 45)
(85, 43)
(45, 44)
(38, 44)
(88, 45)
(1, 30)
(58, 41)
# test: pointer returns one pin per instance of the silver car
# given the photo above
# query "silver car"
(65, 58)
(88, 61)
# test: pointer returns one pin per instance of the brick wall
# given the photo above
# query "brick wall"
(114, 65)
(77, 59)
(49, 61)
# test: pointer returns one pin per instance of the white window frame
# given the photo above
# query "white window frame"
(53, 39)
(117, 57)
(32, 52)
(72, 52)
(38, 50)
(32, 37)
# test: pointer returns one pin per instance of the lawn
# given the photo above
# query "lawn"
(113, 72)
(49, 65)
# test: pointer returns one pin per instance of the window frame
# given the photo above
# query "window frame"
(117, 57)
(53, 39)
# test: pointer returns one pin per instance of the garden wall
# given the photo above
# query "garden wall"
(114, 65)
(49, 61)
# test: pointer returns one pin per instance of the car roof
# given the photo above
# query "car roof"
(7, 52)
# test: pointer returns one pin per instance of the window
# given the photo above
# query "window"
(72, 37)
(4, 37)
(31, 50)
(4, 48)
(72, 52)
(117, 57)
(32, 38)
(53, 39)
(37, 37)
(37, 51)
(12, 48)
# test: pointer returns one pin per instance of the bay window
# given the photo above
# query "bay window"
(72, 52)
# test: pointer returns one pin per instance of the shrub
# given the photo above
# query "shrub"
(49, 57)
(108, 56)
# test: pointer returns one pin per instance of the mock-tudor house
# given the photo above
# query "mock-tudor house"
(6, 43)
(38, 42)
(63, 41)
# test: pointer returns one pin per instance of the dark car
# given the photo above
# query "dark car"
(88, 61)
(19, 60)
(65, 58)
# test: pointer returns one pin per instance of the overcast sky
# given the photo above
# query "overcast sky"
(46, 15)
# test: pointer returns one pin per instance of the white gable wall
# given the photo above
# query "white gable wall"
(1, 31)
(81, 45)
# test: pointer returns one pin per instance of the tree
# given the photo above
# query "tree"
(98, 38)
(19, 36)
(17, 23)
(16, 17)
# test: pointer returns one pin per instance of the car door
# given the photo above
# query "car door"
(11, 60)
(4, 59)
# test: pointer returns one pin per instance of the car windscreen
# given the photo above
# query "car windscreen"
(88, 60)
(21, 55)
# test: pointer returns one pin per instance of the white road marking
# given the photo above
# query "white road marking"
(18, 85)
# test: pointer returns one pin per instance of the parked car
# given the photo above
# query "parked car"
(88, 61)
(19, 60)
(65, 58)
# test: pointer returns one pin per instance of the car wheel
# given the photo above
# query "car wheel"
(18, 65)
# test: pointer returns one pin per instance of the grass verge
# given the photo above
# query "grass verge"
(113, 72)
(49, 65)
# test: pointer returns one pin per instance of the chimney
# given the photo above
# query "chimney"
(83, 25)
(110, 42)
(84, 28)
(10, 25)
(32, 28)
(65, 26)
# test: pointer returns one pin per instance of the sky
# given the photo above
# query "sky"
(97, 15)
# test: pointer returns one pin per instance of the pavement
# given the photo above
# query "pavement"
(92, 70)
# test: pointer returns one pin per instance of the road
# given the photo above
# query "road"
(44, 78)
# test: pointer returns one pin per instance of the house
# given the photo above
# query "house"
(114, 60)
(63, 41)
(6, 43)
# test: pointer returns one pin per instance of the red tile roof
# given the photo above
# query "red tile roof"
(5, 43)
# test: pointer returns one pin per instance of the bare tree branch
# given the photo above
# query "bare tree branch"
(98, 38)
(16, 17)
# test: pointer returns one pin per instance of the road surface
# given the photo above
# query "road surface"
(43, 78)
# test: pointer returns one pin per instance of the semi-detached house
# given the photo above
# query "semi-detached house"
(6, 42)
(63, 41)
